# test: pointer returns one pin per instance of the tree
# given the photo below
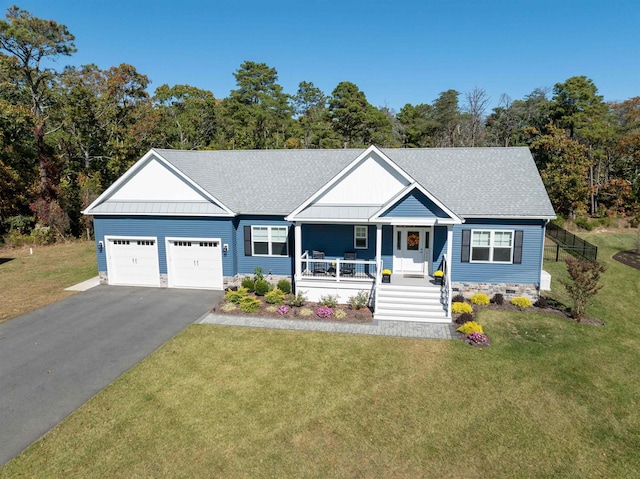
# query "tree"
(418, 126)
(355, 119)
(31, 43)
(188, 116)
(476, 104)
(259, 110)
(447, 115)
(564, 167)
(310, 106)
(583, 284)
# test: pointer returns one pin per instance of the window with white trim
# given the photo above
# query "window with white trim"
(360, 237)
(269, 240)
(492, 246)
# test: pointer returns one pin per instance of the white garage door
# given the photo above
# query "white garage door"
(133, 261)
(194, 263)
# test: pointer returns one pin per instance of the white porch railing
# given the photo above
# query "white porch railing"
(338, 269)
(446, 285)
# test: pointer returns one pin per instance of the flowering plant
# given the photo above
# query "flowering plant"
(324, 311)
(282, 310)
(386, 271)
(477, 337)
(439, 273)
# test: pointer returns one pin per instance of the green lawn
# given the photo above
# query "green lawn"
(33, 278)
(549, 398)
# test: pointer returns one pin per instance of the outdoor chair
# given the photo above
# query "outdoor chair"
(348, 269)
(319, 267)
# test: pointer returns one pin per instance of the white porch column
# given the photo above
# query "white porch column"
(450, 261)
(378, 252)
(297, 229)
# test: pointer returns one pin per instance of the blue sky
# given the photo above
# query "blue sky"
(396, 52)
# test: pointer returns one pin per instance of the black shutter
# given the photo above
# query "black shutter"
(466, 246)
(517, 247)
(247, 240)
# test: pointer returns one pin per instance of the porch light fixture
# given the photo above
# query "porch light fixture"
(100, 246)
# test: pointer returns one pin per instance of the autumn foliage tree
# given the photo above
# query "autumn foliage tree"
(584, 283)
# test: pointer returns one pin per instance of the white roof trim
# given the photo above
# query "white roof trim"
(137, 167)
(344, 172)
(416, 186)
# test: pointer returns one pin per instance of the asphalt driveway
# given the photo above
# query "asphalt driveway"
(56, 358)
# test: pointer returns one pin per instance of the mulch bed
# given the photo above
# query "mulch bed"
(555, 309)
(629, 258)
(364, 315)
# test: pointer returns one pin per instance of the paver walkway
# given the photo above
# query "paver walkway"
(403, 329)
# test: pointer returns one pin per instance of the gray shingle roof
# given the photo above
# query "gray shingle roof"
(472, 182)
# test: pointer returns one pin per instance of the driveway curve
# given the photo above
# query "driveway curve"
(56, 358)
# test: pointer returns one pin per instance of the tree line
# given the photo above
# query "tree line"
(66, 134)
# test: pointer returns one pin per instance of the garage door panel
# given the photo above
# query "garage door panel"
(194, 263)
(133, 261)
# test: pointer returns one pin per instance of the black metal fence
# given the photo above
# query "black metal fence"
(566, 244)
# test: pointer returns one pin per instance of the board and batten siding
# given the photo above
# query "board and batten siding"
(528, 272)
(162, 227)
(280, 265)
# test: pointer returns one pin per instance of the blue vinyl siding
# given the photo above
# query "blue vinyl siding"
(439, 247)
(162, 227)
(335, 239)
(415, 205)
(281, 265)
(526, 273)
(387, 247)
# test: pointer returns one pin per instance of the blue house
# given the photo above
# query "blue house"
(332, 221)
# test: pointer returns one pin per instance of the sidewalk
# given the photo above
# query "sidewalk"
(403, 329)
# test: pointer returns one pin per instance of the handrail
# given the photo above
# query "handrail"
(446, 284)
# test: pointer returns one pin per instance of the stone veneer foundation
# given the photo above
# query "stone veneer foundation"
(509, 291)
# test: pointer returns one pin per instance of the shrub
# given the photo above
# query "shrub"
(275, 296)
(282, 310)
(328, 300)
(464, 317)
(498, 299)
(262, 287)
(359, 301)
(521, 302)
(271, 308)
(470, 327)
(258, 273)
(584, 279)
(297, 300)
(541, 303)
(250, 305)
(324, 312)
(584, 223)
(458, 298)
(305, 312)
(477, 337)
(236, 296)
(249, 283)
(340, 313)
(42, 235)
(459, 307)
(480, 299)
(228, 307)
(284, 285)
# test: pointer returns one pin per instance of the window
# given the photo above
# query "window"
(360, 237)
(269, 240)
(492, 246)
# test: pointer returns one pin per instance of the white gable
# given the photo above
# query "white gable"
(155, 182)
(371, 182)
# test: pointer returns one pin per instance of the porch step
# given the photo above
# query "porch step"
(410, 303)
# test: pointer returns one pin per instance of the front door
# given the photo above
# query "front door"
(411, 250)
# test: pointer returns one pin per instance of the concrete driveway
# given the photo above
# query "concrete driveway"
(56, 358)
